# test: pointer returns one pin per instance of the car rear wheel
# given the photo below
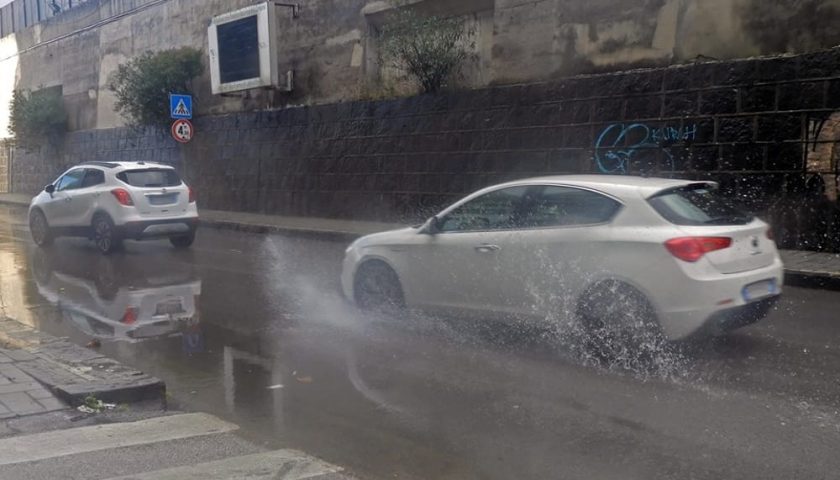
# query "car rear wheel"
(378, 288)
(40, 229)
(105, 236)
(183, 241)
(620, 323)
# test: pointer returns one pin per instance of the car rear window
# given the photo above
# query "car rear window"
(698, 204)
(150, 177)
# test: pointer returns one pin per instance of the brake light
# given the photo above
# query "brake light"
(130, 316)
(192, 194)
(692, 249)
(123, 197)
(770, 234)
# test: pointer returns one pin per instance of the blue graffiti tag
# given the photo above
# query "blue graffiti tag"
(613, 154)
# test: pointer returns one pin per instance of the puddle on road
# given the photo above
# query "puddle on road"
(251, 328)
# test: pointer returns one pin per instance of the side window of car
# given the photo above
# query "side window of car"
(493, 211)
(70, 180)
(93, 177)
(558, 206)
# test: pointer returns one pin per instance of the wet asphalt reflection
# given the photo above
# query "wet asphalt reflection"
(252, 328)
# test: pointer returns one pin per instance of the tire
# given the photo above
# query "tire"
(40, 230)
(105, 235)
(183, 241)
(377, 287)
(620, 323)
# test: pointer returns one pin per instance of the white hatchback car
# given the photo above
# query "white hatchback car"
(605, 250)
(112, 201)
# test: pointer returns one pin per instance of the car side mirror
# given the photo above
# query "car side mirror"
(50, 189)
(432, 226)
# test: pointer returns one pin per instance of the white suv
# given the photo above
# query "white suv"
(112, 201)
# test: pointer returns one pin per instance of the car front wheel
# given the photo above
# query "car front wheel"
(40, 229)
(378, 288)
(105, 236)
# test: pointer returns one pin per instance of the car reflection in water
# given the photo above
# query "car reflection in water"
(123, 298)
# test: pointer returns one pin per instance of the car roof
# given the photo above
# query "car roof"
(125, 165)
(617, 185)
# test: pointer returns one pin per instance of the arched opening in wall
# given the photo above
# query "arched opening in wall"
(822, 156)
(387, 75)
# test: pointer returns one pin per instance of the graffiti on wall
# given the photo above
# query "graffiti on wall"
(620, 147)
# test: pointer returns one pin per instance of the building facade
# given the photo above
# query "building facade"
(331, 45)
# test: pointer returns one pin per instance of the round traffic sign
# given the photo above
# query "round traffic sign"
(182, 130)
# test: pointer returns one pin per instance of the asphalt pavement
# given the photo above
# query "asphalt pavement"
(251, 328)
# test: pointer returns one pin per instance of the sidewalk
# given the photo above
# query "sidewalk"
(801, 265)
(20, 394)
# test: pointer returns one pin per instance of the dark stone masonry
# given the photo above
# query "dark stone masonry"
(764, 128)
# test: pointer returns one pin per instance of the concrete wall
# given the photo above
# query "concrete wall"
(765, 128)
(333, 52)
(6, 153)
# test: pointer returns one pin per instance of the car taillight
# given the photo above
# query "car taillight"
(192, 194)
(692, 249)
(770, 234)
(130, 316)
(122, 196)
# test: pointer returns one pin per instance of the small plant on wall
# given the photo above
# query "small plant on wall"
(143, 84)
(429, 50)
(37, 118)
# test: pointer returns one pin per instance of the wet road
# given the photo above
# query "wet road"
(252, 328)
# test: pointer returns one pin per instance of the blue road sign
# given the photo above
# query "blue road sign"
(180, 106)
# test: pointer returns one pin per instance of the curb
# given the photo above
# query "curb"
(264, 229)
(72, 373)
(810, 279)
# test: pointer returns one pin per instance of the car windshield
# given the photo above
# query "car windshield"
(150, 177)
(698, 204)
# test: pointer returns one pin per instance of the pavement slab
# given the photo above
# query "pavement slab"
(39, 446)
(275, 465)
(70, 372)
(20, 393)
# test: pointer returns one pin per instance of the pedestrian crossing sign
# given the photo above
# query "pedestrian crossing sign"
(180, 106)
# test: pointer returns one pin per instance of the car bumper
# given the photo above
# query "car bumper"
(159, 228)
(717, 305)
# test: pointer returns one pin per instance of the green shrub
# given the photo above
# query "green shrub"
(142, 86)
(37, 118)
(427, 49)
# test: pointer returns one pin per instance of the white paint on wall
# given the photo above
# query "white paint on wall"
(358, 55)
(8, 79)
(352, 36)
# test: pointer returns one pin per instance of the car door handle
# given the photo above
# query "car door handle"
(487, 248)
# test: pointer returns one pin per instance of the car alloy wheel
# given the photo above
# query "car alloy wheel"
(104, 235)
(39, 229)
(620, 324)
(378, 287)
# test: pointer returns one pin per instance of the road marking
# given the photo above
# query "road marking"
(276, 465)
(73, 441)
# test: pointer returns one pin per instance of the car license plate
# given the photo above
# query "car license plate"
(169, 308)
(168, 199)
(758, 290)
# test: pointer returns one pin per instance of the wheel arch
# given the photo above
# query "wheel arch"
(373, 258)
(599, 282)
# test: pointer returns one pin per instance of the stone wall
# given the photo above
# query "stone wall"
(757, 126)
